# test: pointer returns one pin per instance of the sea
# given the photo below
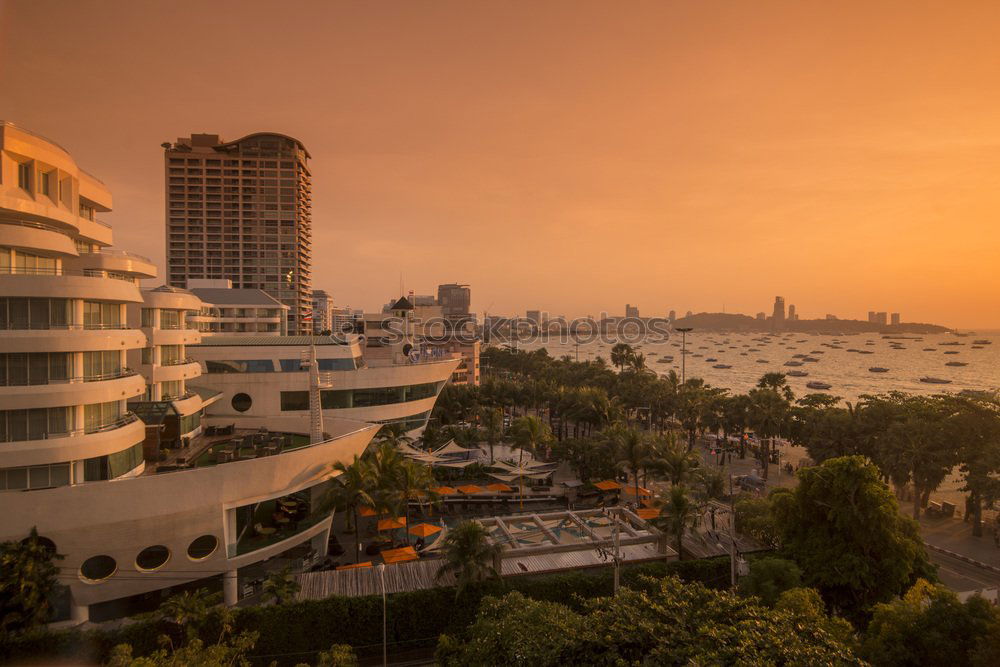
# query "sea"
(841, 361)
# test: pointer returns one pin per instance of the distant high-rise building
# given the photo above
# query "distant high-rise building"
(688, 314)
(534, 316)
(322, 316)
(791, 313)
(242, 210)
(881, 318)
(761, 316)
(454, 300)
(631, 311)
(895, 318)
(778, 316)
(672, 315)
(871, 317)
(831, 317)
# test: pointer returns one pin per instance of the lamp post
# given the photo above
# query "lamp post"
(684, 331)
(385, 645)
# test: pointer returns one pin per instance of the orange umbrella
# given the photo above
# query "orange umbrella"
(469, 488)
(647, 513)
(498, 486)
(400, 555)
(425, 529)
(354, 566)
(643, 491)
(366, 511)
(444, 491)
(608, 485)
(392, 524)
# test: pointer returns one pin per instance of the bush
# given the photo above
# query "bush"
(303, 630)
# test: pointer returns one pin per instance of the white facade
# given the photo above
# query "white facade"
(69, 360)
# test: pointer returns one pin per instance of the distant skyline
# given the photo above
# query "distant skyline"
(562, 156)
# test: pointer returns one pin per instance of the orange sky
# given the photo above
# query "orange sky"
(567, 156)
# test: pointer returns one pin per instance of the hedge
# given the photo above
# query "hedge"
(293, 633)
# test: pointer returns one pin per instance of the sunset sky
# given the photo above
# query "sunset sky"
(566, 156)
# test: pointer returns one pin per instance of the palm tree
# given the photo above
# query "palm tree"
(469, 554)
(681, 511)
(281, 587)
(413, 480)
(778, 382)
(768, 412)
(492, 421)
(27, 580)
(350, 489)
(673, 460)
(189, 610)
(632, 452)
(394, 434)
(621, 355)
(530, 434)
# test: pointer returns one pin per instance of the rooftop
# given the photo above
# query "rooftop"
(218, 296)
(250, 341)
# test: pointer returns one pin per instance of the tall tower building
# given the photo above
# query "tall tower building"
(778, 316)
(454, 300)
(895, 318)
(631, 311)
(242, 210)
(791, 313)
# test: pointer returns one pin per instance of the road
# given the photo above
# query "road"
(960, 576)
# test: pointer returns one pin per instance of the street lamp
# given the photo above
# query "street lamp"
(683, 331)
(385, 645)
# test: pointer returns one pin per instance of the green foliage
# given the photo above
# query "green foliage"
(27, 583)
(670, 623)
(281, 587)
(414, 619)
(929, 626)
(769, 578)
(469, 554)
(755, 520)
(842, 526)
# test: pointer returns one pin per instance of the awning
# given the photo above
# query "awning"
(452, 448)
(392, 524)
(647, 513)
(608, 485)
(643, 491)
(354, 566)
(470, 488)
(424, 529)
(364, 510)
(400, 555)
(444, 491)
(498, 486)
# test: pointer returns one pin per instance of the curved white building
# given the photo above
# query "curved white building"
(132, 525)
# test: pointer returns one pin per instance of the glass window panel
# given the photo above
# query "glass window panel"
(38, 477)
(59, 474)
(17, 478)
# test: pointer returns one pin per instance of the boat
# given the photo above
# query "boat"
(878, 369)
(933, 380)
(929, 349)
(865, 352)
(818, 385)
(721, 366)
(763, 361)
(711, 359)
(951, 352)
(982, 341)
(797, 374)
(810, 359)
(793, 363)
(956, 363)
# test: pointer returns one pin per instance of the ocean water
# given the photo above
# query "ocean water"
(847, 372)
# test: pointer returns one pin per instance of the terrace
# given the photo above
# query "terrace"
(217, 445)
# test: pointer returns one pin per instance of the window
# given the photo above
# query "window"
(115, 465)
(170, 319)
(34, 477)
(45, 183)
(360, 398)
(170, 390)
(24, 176)
(98, 568)
(242, 402)
(152, 558)
(240, 366)
(101, 365)
(100, 315)
(290, 365)
(34, 424)
(203, 547)
(170, 354)
(20, 369)
(98, 416)
(148, 317)
(147, 355)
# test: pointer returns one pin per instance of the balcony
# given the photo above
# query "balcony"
(177, 362)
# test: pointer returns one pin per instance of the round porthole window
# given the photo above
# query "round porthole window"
(242, 402)
(152, 558)
(98, 568)
(203, 547)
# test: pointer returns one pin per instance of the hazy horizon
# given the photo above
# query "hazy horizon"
(566, 156)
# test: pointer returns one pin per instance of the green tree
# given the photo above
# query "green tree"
(680, 513)
(621, 355)
(492, 423)
(351, 489)
(671, 623)
(755, 520)
(842, 526)
(281, 587)
(189, 610)
(670, 458)
(632, 450)
(27, 583)
(930, 626)
(339, 655)
(469, 554)
(769, 578)
(768, 413)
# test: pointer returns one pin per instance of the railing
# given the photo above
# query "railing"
(36, 326)
(55, 271)
(125, 419)
(124, 371)
(177, 362)
(37, 225)
(118, 253)
(178, 397)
